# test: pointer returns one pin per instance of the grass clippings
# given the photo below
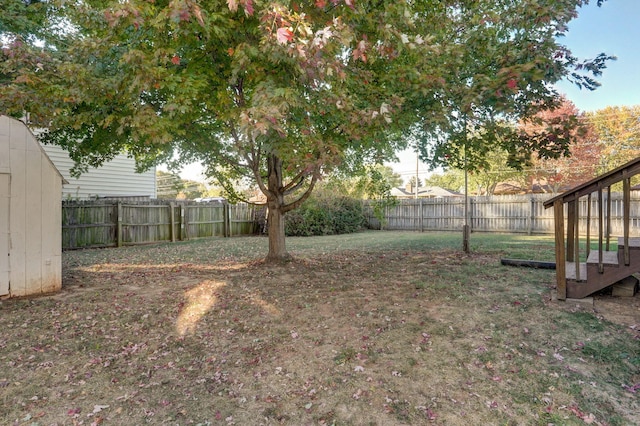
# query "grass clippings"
(378, 328)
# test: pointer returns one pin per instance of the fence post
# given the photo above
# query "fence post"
(119, 225)
(532, 211)
(470, 214)
(227, 219)
(183, 227)
(172, 220)
(421, 212)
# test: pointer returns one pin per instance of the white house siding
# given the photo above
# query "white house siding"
(116, 178)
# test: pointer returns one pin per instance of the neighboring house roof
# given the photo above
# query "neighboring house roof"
(537, 187)
(116, 178)
(423, 192)
(508, 188)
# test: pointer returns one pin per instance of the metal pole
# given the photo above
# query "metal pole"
(465, 227)
(417, 163)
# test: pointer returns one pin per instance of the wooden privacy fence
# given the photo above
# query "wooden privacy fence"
(501, 213)
(114, 223)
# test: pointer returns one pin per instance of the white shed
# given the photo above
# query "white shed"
(30, 214)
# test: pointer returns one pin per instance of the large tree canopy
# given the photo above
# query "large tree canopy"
(286, 91)
(586, 153)
(618, 132)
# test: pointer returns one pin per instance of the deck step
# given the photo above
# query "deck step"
(608, 257)
(633, 242)
(570, 271)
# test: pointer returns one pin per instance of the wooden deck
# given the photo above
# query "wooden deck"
(603, 267)
(571, 271)
(608, 257)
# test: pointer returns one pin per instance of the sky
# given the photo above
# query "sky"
(613, 29)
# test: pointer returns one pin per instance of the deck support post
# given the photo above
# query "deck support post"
(626, 207)
(561, 274)
(571, 220)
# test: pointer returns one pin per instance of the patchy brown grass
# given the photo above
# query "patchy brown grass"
(377, 328)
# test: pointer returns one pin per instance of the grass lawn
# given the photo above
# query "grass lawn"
(375, 328)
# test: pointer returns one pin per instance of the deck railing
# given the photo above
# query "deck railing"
(567, 250)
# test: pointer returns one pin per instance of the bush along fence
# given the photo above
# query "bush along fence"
(510, 214)
(118, 223)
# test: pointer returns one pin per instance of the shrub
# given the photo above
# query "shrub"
(325, 215)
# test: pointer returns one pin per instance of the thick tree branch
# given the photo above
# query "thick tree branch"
(297, 203)
(296, 181)
(291, 187)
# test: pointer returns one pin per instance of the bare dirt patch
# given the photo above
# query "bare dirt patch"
(621, 310)
(386, 337)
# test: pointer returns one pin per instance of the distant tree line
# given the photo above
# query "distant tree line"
(601, 141)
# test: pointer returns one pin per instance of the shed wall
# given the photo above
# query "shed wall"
(4, 233)
(5, 179)
(34, 205)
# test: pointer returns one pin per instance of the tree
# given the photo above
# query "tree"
(285, 92)
(617, 130)
(496, 171)
(29, 21)
(451, 179)
(585, 152)
(365, 182)
(506, 57)
(377, 186)
(393, 179)
(480, 181)
(168, 185)
(412, 182)
(33, 20)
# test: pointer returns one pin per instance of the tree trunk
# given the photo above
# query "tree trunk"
(275, 218)
(277, 247)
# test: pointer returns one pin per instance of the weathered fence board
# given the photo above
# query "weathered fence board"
(115, 223)
(89, 225)
(510, 214)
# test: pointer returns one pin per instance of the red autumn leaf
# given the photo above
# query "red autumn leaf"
(184, 15)
(512, 83)
(431, 415)
(175, 60)
(73, 411)
(284, 35)
(321, 3)
(248, 7)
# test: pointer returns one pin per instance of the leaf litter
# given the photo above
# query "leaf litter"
(138, 335)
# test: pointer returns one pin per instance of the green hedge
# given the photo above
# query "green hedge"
(326, 216)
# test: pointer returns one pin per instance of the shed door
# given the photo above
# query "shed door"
(4, 234)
